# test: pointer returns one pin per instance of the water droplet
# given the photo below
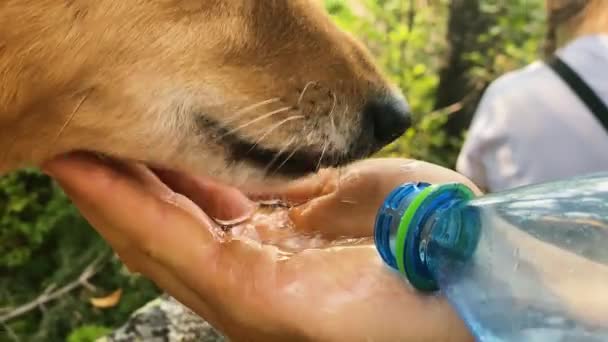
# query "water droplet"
(422, 251)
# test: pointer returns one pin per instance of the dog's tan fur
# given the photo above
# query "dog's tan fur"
(131, 79)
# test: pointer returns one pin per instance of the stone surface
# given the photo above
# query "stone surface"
(164, 320)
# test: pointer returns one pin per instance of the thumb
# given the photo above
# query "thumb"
(219, 201)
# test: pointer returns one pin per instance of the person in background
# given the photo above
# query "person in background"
(547, 121)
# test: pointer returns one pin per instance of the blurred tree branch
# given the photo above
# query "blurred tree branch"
(10, 333)
(49, 294)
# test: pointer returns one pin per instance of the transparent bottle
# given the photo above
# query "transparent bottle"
(528, 264)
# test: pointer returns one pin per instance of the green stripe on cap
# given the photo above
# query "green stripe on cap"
(404, 225)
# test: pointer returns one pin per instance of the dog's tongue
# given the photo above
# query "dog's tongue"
(219, 201)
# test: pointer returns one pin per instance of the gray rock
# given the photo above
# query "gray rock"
(164, 320)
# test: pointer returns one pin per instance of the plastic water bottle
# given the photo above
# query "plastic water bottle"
(529, 264)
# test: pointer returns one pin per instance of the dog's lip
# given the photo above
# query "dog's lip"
(287, 163)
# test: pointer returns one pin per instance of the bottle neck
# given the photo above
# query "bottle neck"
(449, 236)
(417, 223)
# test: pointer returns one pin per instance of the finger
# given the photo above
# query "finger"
(217, 200)
(350, 209)
(346, 212)
(303, 189)
(395, 171)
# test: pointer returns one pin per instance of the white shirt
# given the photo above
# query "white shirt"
(530, 127)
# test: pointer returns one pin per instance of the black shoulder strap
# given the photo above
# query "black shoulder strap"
(581, 89)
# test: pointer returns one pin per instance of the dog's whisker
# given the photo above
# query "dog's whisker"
(278, 154)
(345, 110)
(72, 115)
(322, 155)
(70, 119)
(273, 128)
(259, 104)
(331, 116)
(286, 160)
(14, 140)
(259, 118)
(249, 108)
(331, 112)
(304, 91)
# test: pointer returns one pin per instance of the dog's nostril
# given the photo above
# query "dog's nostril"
(389, 117)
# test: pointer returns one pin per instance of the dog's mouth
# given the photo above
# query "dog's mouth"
(226, 204)
(216, 198)
(280, 168)
(284, 162)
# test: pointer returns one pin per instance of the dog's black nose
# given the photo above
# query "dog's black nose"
(389, 118)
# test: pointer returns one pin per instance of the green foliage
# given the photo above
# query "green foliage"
(515, 38)
(45, 243)
(409, 43)
(26, 195)
(88, 333)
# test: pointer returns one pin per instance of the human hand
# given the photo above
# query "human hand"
(306, 273)
(345, 202)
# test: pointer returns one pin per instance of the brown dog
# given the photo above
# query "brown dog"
(238, 89)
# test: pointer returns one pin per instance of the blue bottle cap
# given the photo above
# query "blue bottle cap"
(399, 223)
(389, 217)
